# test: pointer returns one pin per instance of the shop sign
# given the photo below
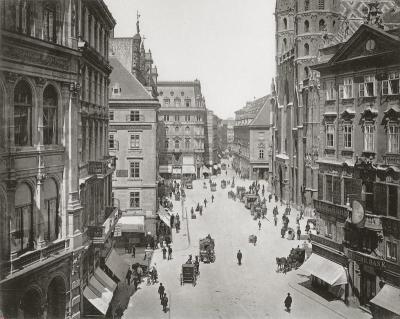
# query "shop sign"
(333, 210)
(366, 260)
(328, 254)
(118, 230)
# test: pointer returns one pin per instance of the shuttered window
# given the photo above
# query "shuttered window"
(336, 190)
(320, 186)
(380, 198)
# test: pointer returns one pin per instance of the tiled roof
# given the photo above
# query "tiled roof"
(130, 87)
(262, 118)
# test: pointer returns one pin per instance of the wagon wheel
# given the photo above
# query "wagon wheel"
(181, 279)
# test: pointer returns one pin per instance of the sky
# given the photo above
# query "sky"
(227, 44)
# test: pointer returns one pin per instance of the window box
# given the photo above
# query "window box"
(329, 151)
(347, 101)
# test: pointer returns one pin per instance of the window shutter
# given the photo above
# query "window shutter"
(380, 194)
(385, 87)
(361, 89)
(320, 186)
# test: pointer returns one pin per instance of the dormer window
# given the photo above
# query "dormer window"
(116, 89)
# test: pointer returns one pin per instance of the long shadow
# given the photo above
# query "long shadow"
(318, 290)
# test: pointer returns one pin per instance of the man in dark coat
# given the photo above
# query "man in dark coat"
(239, 257)
(169, 252)
(164, 302)
(288, 302)
(164, 252)
(161, 290)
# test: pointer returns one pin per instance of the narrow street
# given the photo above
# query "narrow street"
(225, 289)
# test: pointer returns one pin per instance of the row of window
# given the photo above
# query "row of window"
(133, 116)
(94, 87)
(178, 102)
(178, 118)
(198, 130)
(367, 88)
(177, 144)
(393, 136)
(134, 141)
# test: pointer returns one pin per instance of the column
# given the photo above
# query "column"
(39, 208)
(38, 134)
(11, 79)
(93, 142)
(86, 26)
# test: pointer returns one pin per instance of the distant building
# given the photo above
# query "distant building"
(211, 141)
(227, 133)
(184, 116)
(132, 140)
(252, 145)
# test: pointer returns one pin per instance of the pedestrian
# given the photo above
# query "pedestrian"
(169, 252)
(135, 282)
(283, 231)
(298, 233)
(201, 210)
(239, 257)
(164, 302)
(164, 252)
(263, 192)
(270, 197)
(205, 203)
(161, 290)
(133, 251)
(128, 276)
(288, 302)
(307, 228)
(259, 225)
(275, 220)
(212, 198)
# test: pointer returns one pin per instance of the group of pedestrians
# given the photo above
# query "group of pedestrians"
(167, 249)
(163, 297)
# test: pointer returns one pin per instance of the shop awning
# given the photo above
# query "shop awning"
(98, 293)
(188, 169)
(388, 298)
(131, 224)
(329, 271)
(165, 217)
(165, 169)
(117, 265)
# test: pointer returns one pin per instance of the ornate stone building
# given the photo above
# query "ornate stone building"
(53, 187)
(184, 116)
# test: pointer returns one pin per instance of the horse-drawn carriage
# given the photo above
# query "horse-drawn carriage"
(294, 260)
(231, 194)
(223, 184)
(240, 191)
(206, 247)
(188, 274)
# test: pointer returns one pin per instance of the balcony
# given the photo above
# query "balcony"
(326, 208)
(326, 242)
(99, 234)
(33, 257)
(373, 222)
(392, 159)
(102, 167)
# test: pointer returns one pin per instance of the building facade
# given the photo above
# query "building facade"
(183, 115)
(302, 28)
(133, 140)
(358, 181)
(211, 145)
(252, 145)
(47, 48)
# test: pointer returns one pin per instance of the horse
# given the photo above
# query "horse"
(281, 262)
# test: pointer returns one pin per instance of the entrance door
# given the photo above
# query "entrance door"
(368, 287)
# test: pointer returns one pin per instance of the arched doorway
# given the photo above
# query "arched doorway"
(56, 300)
(31, 304)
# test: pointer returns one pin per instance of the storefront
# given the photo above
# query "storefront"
(366, 272)
(165, 171)
(386, 304)
(176, 172)
(260, 172)
(163, 230)
(130, 230)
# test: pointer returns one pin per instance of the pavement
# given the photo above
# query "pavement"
(224, 289)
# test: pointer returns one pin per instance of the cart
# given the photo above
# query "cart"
(206, 247)
(223, 184)
(249, 199)
(188, 274)
(213, 187)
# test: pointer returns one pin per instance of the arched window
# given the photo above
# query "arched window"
(167, 143)
(21, 225)
(50, 127)
(306, 49)
(176, 129)
(187, 143)
(50, 218)
(285, 23)
(177, 102)
(322, 25)
(284, 45)
(177, 143)
(22, 114)
(287, 94)
(306, 26)
(187, 130)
